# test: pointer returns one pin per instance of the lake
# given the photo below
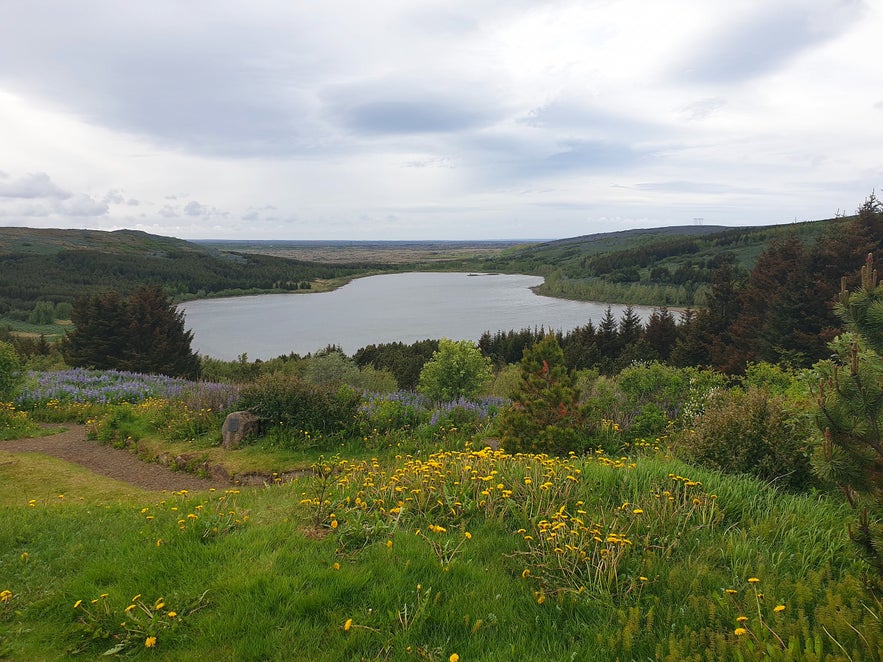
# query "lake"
(377, 309)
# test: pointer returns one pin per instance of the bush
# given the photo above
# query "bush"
(382, 414)
(457, 370)
(334, 369)
(544, 416)
(752, 432)
(290, 402)
(11, 376)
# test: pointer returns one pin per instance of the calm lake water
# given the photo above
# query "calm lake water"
(398, 307)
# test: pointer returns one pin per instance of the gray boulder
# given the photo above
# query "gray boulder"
(237, 426)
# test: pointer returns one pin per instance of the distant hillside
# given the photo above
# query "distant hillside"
(36, 241)
(670, 266)
(657, 266)
(57, 266)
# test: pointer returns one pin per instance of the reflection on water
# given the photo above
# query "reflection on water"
(404, 307)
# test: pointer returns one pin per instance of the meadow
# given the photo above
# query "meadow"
(409, 537)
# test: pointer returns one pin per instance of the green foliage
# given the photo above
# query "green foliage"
(544, 415)
(645, 401)
(456, 370)
(505, 381)
(15, 423)
(43, 313)
(229, 372)
(774, 377)
(850, 398)
(752, 432)
(143, 333)
(404, 361)
(11, 375)
(335, 369)
(292, 403)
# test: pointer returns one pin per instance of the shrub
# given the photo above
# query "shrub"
(335, 369)
(11, 375)
(14, 423)
(544, 416)
(381, 414)
(752, 432)
(290, 402)
(457, 370)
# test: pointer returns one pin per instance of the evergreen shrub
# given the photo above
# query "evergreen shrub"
(290, 402)
(544, 415)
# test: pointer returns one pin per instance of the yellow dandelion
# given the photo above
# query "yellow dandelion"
(741, 619)
(172, 614)
(129, 608)
(525, 573)
(638, 511)
(347, 625)
(336, 566)
(730, 591)
(740, 631)
(468, 535)
(389, 543)
(779, 608)
(753, 580)
(6, 596)
(334, 524)
(454, 658)
(643, 579)
(77, 603)
(150, 642)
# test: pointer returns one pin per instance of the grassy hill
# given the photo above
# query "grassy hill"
(668, 266)
(55, 267)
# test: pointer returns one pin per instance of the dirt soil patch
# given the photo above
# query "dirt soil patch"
(124, 465)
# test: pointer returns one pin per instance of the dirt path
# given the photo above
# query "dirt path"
(72, 446)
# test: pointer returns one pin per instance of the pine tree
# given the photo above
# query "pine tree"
(101, 335)
(850, 398)
(544, 416)
(158, 341)
(780, 316)
(660, 334)
(144, 333)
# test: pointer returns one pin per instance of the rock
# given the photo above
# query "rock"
(237, 426)
(219, 473)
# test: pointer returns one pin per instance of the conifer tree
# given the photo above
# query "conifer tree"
(144, 333)
(850, 398)
(544, 416)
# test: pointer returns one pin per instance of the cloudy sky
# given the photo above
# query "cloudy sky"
(436, 119)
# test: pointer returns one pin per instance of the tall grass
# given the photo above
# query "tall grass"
(429, 558)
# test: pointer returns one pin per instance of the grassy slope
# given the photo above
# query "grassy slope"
(268, 584)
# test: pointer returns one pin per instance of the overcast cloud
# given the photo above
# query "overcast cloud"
(438, 119)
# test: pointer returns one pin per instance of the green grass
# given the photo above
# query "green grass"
(266, 583)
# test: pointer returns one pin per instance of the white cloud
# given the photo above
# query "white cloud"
(437, 119)
(30, 186)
